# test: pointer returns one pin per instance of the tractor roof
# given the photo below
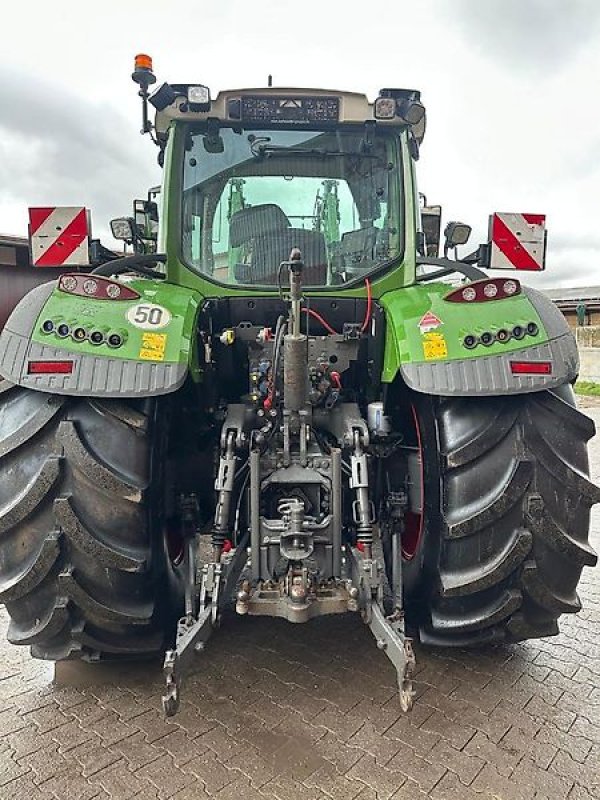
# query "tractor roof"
(283, 106)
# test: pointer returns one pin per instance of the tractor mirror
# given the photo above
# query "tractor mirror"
(152, 209)
(145, 213)
(455, 234)
(123, 228)
(431, 223)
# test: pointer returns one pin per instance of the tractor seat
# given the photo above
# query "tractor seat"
(266, 230)
(270, 249)
(248, 223)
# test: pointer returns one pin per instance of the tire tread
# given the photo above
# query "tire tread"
(77, 573)
(507, 569)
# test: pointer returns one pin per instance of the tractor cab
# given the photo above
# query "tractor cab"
(257, 172)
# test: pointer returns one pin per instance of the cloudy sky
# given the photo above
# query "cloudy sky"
(512, 89)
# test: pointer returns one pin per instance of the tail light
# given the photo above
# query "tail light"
(488, 289)
(50, 368)
(531, 367)
(95, 286)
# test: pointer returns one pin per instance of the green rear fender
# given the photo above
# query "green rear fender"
(425, 342)
(147, 344)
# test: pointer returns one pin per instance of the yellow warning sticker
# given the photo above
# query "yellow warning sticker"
(153, 346)
(434, 346)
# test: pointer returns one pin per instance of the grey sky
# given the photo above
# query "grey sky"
(539, 35)
(511, 88)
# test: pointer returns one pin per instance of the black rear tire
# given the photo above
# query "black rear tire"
(507, 503)
(83, 567)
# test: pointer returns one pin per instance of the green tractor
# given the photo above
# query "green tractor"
(293, 407)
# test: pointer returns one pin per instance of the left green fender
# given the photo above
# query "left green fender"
(156, 353)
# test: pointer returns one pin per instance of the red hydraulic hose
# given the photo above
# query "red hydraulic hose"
(368, 312)
(320, 319)
(335, 377)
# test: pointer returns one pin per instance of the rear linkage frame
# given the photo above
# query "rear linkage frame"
(296, 591)
(217, 584)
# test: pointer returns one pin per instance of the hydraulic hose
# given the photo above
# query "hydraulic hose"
(367, 318)
(279, 332)
(134, 263)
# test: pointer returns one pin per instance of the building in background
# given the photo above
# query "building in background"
(568, 300)
(17, 275)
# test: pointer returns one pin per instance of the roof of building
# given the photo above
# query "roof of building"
(574, 294)
(13, 241)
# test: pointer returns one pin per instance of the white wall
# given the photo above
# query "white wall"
(590, 364)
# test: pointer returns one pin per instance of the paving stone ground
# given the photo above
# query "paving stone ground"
(310, 713)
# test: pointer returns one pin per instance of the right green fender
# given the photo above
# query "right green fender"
(425, 342)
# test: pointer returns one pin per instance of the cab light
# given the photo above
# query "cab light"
(385, 108)
(411, 110)
(50, 367)
(198, 95)
(531, 367)
(98, 288)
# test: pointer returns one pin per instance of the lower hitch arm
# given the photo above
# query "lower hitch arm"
(388, 629)
(389, 634)
(217, 585)
(190, 639)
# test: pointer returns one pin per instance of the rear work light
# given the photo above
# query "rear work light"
(385, 108)
(531, 367)
(95, 287)
(484, 291)
(50, 367)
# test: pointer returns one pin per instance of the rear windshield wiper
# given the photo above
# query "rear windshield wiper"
(262, 150)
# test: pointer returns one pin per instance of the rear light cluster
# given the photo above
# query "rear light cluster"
(502, 335)
(95, 286)
(487, 289)
(78, 333)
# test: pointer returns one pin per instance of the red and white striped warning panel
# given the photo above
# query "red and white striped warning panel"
(59, 235)
(517, 241)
